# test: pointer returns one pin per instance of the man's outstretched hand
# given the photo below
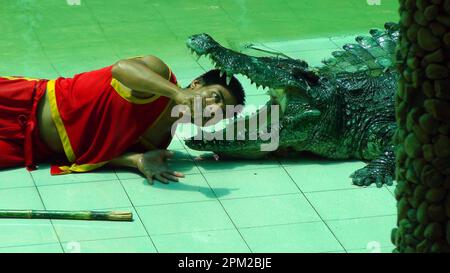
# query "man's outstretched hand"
(153, 165)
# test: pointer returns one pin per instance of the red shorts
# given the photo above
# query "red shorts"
(20, 144)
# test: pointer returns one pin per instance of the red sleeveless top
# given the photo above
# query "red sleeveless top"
(98, 119)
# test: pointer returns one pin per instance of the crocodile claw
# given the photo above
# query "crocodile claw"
(369, 175)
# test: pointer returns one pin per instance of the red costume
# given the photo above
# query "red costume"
(19, 134)
(97, 118)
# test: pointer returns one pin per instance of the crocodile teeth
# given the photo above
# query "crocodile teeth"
(229, 79)
(222, 72)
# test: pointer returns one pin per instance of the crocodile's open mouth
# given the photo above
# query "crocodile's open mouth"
(277, 76)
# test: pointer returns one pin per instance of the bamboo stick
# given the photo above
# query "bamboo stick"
(68, 215)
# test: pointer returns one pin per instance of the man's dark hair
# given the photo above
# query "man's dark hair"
(213, 77)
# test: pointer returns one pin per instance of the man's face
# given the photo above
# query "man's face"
(210, 100)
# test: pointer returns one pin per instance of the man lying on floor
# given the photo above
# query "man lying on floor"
(119, 115)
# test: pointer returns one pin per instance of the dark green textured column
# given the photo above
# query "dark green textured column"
(422, 138)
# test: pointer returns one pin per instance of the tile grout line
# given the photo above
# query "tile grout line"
(196, 231)
(112, 170)
(331, 40)
(55, 70)
(317, 221)
(172, 203)
(223, 207)
(236, 170)
(282, 224)
(112, 238)
(356, 218)
(321, 218)
(225, 11)
(187, 232)
(51, 221)
(102, 30)
(137, 213)
(44, 51)
(14, 188)
(247, 197)
(30, 245)
(386, 247)
(343, 189)
(90, 240)
(389, 190)
(206, 201)
(163, 19)
(314, 208)
(372, 186)
(229, 217)
(77, 182)
(196, 173)
(223, 199)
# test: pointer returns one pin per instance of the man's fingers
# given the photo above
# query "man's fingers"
(149, 175)
(150, 179)
(170, 177)
(166, 154)
(174, 173)
(177, 174)
(162, 179)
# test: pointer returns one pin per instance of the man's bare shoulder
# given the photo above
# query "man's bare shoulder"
(154, 63)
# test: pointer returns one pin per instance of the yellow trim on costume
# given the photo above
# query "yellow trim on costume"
(81, 168)
(51, 90)
(58, 121)
(170, 73)
(18, 78)
(126, 94)
(65, 138)
(135, 57)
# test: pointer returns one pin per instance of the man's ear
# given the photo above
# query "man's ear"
(195, 84)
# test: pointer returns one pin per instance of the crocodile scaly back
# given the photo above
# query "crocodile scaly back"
(371, 55)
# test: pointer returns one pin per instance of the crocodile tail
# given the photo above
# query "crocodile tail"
(371, 55)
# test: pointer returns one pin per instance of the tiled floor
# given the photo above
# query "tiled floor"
(301, 205)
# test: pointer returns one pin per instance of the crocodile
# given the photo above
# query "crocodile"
(341, 109)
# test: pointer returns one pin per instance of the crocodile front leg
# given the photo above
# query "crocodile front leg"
(379, 171)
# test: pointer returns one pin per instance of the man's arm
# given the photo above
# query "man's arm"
(147, 75)
(126, 160)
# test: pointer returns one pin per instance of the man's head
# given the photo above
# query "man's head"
(216, 94)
